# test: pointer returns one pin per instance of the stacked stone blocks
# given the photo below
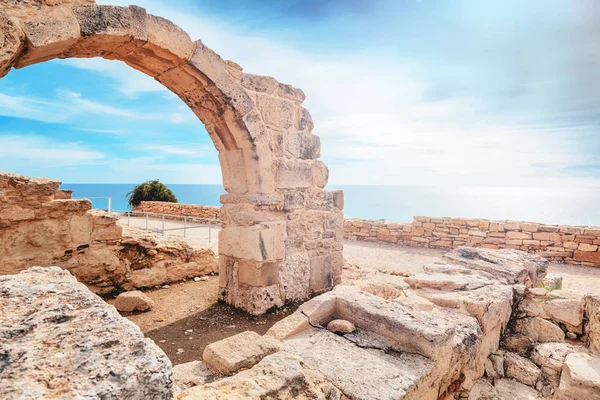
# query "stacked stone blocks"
(570, 244)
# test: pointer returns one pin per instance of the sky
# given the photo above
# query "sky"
(471, 93)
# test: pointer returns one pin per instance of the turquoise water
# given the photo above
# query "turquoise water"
(401, 203)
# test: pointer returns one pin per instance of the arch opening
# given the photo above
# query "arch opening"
(282, 232)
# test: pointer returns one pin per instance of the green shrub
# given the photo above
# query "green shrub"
(150, 191)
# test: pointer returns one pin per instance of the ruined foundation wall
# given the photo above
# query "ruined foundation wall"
(41, 225)
(570, 244)
(178, 210)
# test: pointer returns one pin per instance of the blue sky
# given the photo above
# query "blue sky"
(468, 93)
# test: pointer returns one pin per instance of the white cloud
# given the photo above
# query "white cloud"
(189, 150)
(66, 106)
(23, 151)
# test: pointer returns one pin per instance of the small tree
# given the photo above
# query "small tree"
(150, 191)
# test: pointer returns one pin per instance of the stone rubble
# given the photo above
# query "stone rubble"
(42, 225)
(474, 327)
(133, 301)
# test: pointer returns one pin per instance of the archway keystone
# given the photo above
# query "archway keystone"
(282, 233)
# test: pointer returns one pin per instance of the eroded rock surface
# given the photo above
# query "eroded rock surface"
(58, 340)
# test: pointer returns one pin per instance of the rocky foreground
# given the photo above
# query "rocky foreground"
(483, 324)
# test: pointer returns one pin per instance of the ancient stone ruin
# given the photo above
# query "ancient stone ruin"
(43, 226)
(282, 233)
(481, 324)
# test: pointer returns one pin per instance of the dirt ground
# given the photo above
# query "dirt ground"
(187, 316)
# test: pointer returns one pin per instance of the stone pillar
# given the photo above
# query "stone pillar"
(286, 245)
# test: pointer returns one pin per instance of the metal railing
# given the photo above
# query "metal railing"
(185, 218)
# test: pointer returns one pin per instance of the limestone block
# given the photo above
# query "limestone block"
(521, 369)
(320, 174)
(166, 47)
(277, 112)
(539, 330)
(80, 229)
(587, 256)
(259, 83)
(12, 42)
(47, 305)
(494, 367)
(289, 326)
(482, 390)
(447, 282)
(305, 121)
(258, 274)
(294, 174)
(147, 277)
(511, 389)
(592, 328)
(249, 243)
(294, 276)
(96, 266)
(233, 170)
(105, 29)
(519, 344)
(212, 65)
(240, 351)
(338, 199)
(566, 311)
(553, 355)
(321, 273)
(302, 145)
(133, 301)
(192, 374)
(507, 265)
(49, 35)
(580, 378)
(289, 92)
(278, 376)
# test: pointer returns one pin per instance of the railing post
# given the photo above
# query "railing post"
(129, 218)
(209, 229)
(184, 226)
(146, 221)
(163, 224)
(109, 205)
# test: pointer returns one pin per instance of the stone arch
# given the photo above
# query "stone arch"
(282, 232)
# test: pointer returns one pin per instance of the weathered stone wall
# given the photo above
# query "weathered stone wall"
(178, 210)
(40, 225)
(570, 244)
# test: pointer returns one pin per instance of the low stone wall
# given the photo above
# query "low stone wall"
(570, 244)
(178, 210)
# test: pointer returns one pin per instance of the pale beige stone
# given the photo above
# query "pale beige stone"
(580, 378)
(566, 311)
(133, 301)
(539, 330)
(241, 351)
(521, 369)
(340, 326)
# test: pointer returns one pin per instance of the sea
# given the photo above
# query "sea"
(401, 203)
